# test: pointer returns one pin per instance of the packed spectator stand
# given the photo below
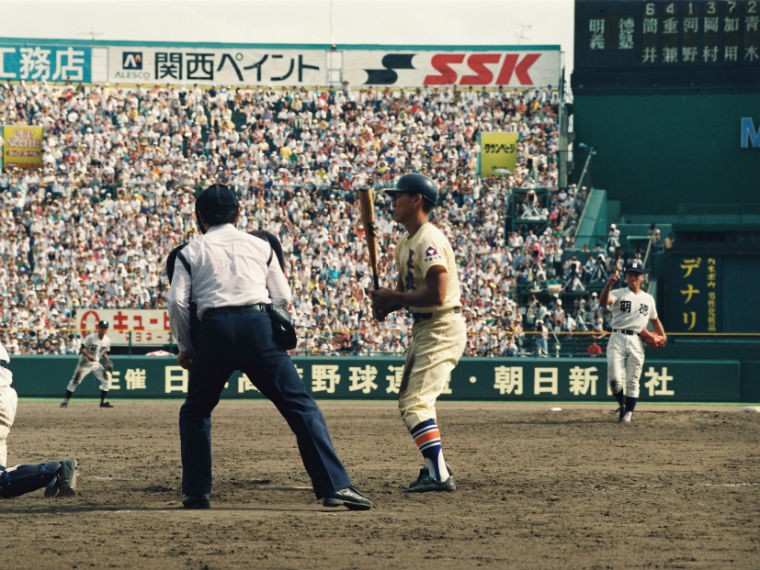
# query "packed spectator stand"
(93, 226)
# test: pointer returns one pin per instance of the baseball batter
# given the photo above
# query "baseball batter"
(58, 477)
(428, 287)
(94, 348)
(631, 309)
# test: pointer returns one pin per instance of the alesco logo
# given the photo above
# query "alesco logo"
(132, 60)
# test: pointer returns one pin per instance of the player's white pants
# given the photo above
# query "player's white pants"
(436, 347)
(8, 404)
(625, 360)
(83, 369)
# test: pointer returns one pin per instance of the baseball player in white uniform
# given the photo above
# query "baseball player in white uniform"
(95, 347)
(428, 287)
(58, 477)
(8, 402)
(631, 309)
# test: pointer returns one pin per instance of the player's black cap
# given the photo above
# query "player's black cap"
(217, 204)
(103, 325)
(634, 266)
(416, 183)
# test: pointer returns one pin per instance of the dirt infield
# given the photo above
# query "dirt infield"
(678, 488)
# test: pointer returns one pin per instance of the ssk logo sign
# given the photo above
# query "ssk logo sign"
(481, 69)
(471, 69)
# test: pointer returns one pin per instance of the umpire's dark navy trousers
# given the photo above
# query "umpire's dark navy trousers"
(241, 339)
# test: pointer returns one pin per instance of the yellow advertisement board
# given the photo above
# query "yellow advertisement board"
(22, 146)
(498, 151)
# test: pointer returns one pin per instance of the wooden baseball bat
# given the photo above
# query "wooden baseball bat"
(367, 206)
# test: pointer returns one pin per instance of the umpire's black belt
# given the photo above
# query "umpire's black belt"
(263, 307)
(419, 317)
(629, 332)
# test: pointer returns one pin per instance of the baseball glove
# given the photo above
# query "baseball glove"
(108, 366)
(652, 340)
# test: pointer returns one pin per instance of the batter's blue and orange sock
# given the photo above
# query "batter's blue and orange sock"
(427, 436)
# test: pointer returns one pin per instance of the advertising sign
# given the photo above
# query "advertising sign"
(22, 146)
(695, 294)
(248, 65)
(216, 66)
(497, 151)
(139, 327)
(529, 67)
(41, 62)
(379, 378)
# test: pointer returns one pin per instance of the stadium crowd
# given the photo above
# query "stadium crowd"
(121, 167)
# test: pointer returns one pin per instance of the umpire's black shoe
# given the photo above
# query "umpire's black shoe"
(196, 502)
(350, 498)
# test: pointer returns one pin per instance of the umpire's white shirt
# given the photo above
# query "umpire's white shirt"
(229, 268)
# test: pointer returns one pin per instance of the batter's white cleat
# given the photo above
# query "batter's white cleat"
(626, 419)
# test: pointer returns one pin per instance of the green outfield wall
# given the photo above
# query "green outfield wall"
(657, 152)
(379, 378)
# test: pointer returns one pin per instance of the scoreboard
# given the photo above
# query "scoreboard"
(629, 45)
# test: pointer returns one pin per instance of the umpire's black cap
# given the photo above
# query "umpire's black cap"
(416, 183)
(217, 204)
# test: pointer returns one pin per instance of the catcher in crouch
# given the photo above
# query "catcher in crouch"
(631, 309)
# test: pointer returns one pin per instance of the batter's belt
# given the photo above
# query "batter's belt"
(420, 317)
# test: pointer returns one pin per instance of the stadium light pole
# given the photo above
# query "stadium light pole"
(591, 152)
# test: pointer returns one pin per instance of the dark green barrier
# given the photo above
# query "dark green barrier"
(378, 378)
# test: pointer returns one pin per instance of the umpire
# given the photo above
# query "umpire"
(232, 277)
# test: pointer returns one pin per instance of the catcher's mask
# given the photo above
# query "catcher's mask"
(217, 204)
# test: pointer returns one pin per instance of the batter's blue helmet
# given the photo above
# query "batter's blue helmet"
(103, 325)
(416, 183)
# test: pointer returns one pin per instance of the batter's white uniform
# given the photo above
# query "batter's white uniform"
(8, 403)
(438, 341)
(625, 350)
(97, 347)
